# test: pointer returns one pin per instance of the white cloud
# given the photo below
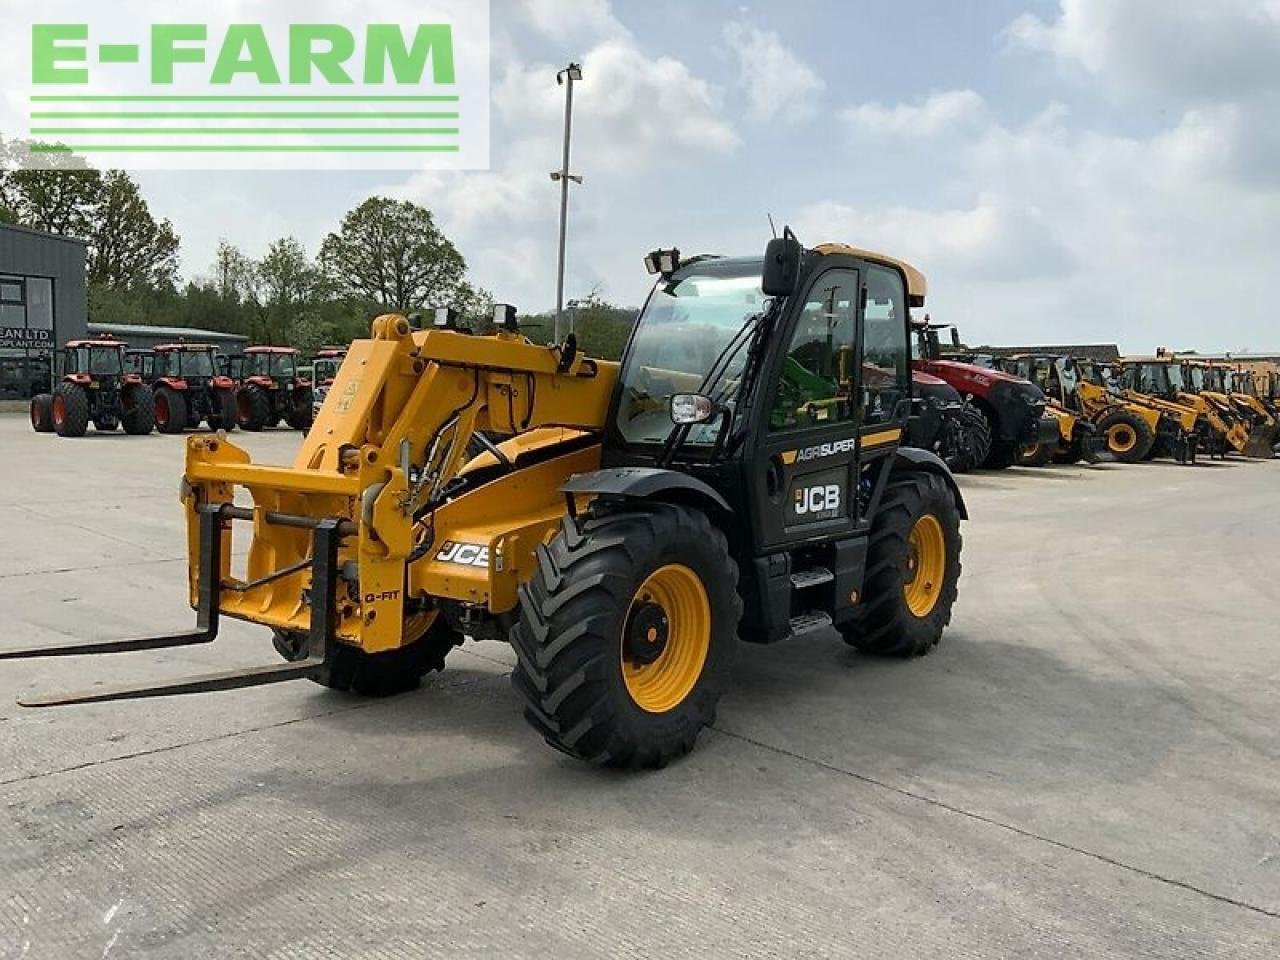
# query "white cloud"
(1181, 47)
(573, 21)
(628, 107)
(776, 81)
(1068, 234)
(938, 113)
(632, 113)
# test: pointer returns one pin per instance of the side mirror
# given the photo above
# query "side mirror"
(781, 265)
(691, 408)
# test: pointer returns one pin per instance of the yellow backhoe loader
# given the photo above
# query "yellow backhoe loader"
(1212, 381)
(1162, 380)
(735, 475)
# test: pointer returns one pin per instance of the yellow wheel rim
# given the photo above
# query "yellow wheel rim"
(1122, 438)
(665, 638)
(926, 565)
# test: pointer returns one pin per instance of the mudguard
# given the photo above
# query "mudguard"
(913, 458)
(643, 483)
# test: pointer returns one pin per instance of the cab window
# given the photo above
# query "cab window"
(817, 382)
(886, 352)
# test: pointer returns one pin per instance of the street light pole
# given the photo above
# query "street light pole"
(565, 78)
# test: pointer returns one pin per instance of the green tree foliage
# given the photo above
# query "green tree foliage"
(288, 286)
(391, 253)
(128, 248)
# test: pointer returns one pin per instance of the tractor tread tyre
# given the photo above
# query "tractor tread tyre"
(138, 410)
(223, 403)
(174, 404)
(387, 674)
(42, 413)
(253, 408)
(74, 421)
(1000, 455)
(885, 626)
(1146, 437)
(572, 616)
(302, 411)
(979, 431)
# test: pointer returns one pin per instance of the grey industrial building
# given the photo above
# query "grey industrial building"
(42, 304)
(143, 337)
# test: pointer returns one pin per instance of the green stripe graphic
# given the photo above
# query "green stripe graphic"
(103, 98)
(225, 115)
(247, 148)
(240, 131)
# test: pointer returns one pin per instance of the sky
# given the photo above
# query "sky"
(1072, 171)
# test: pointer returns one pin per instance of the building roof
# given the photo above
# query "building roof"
(42, 234)
(1086, 351)
(168, 333)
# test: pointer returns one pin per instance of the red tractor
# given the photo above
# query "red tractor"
(271, 389)
(1014, 408)
(324, 369)
(188, 388)
(93, 387)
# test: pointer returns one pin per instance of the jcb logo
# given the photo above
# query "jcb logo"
(467, 554)
(823, 499)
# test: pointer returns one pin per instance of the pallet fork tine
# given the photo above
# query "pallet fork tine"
(327, 536)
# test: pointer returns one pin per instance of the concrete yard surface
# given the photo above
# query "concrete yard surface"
(1088, 766)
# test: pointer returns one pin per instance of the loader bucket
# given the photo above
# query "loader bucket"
(1094, 449)
(1261, 443)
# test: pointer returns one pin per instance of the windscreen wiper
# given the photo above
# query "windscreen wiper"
(680, 432)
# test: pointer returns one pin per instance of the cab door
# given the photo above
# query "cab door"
(801, 476)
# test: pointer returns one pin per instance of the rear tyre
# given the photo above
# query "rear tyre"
(138, 411)
(223, 415)
(377, 674)
(171, 410)
(626, 634)
(913, 565)
(70, 410)
(253, 408)
(302, 411)
(42, 413)
(1127, 436)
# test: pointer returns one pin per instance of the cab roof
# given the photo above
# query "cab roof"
(917, 285)
(112, 344)
(270, 350)
(187, 347)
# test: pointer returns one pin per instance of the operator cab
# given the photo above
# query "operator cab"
(787, 395)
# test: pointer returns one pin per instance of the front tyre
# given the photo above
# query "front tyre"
(626, 634)
(913, 565)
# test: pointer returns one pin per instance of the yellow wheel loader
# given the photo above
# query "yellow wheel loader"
(734, 476)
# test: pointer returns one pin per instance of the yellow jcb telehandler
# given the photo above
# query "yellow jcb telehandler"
(740, 472)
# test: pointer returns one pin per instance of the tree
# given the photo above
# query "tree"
(391, 253)
(233, 274)
(129, 249)
(289, 283)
